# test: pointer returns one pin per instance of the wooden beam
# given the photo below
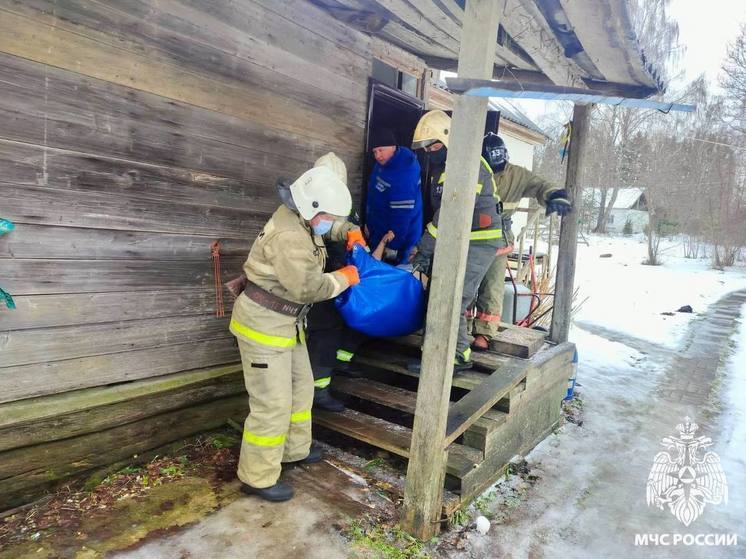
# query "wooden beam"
(568, 242)
(472, 406)
(526, 24)
(426, 468)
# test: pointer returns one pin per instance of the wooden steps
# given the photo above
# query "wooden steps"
(499, 408)
(401, 399)
(393, 437)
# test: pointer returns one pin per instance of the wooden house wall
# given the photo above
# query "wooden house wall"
(134, 133)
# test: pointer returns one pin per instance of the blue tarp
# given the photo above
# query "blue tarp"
(387, 301)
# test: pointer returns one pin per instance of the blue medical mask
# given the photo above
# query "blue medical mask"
(323, 227)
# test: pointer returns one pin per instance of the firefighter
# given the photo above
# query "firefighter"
(513, 183)
(285, 274)
(331, 344)
(431, 134)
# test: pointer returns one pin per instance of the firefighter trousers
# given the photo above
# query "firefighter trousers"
(278, 428)
(481, 257)
(490, 299)
(330, 342)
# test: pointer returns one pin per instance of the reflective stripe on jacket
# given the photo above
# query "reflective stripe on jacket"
(287, 260)
(486, 223)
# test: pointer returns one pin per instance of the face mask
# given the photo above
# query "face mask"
(322, 227)
(436, 158)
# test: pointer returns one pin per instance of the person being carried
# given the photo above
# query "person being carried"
(513, 183)
(394, 200)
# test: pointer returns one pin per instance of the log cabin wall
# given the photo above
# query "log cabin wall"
(133, 134)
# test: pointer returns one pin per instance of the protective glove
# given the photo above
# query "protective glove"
(350, 274)
(558, 202)
(355, 236)
(420, 262)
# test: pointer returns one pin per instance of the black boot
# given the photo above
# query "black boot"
(315, 454)
(276, 493)
(323, 400)
(459, 365)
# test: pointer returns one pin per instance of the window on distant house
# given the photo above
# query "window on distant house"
(611, 219)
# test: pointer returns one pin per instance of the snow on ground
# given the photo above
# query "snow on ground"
(640, 374)
(626, 296)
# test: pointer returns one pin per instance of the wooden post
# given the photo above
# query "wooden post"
(548, 264)
(568, 241)
(426, 470)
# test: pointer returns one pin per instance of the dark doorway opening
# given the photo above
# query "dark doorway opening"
(399, 112)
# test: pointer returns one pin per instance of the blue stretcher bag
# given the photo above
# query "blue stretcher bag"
(387, 301)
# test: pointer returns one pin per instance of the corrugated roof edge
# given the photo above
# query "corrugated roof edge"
(508, 111)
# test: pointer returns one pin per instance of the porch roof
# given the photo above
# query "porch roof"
(581, 44)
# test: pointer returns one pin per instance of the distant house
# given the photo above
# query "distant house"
(630, 205)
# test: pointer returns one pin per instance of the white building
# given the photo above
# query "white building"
(630, 205)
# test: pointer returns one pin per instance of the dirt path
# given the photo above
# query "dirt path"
(591, 500)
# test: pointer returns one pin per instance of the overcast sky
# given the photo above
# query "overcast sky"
(705, 29)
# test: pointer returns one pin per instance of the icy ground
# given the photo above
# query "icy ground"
(641, 372)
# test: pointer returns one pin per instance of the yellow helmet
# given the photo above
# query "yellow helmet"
(320, 190)
(434, 126)
(332, 161)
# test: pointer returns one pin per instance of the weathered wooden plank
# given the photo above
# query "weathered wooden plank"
(47, 206)
(316, 20)
(191, 32)
(44, 311)
(472, 406)
(424, 490)
(39, 345)
(24, 381)
(27, 472)
(42, 241)
(251, 98)
(401, 399)
(521, 342)
(383, 477)
(28, 164)
(370, 17)
(332, 484)
(49, 106)
(398, 364)
(392, 437)
(485, 360)
(568, 241)
(535, 418)
(61, 416)
(37, 276)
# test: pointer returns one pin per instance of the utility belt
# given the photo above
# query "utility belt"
(274, 303)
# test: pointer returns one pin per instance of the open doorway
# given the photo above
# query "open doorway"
(398, 111)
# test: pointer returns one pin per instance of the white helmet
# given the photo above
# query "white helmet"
(334, 163)
(434, 126)
(320, 190)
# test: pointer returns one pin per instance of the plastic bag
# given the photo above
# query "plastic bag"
(387, 301)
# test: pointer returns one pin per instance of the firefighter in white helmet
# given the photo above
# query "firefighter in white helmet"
(284, 276)
(432, 135)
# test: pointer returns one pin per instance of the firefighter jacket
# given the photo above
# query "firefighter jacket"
(486, 223)
(515, 182)
(394, 202)
(287, 260)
